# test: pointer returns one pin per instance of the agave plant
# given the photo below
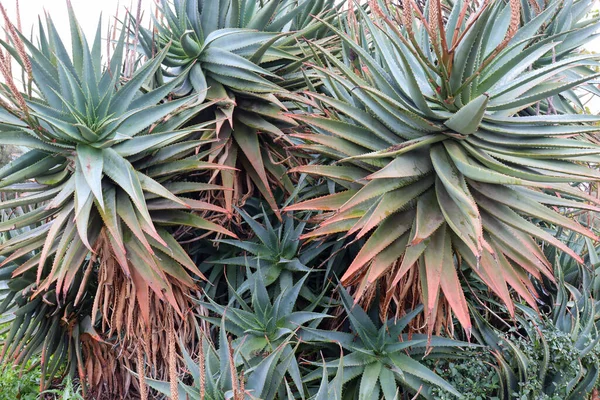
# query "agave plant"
(439, 153)
(217, 377)
(236, 53)
(262, 326)
(108, 166)
(275, 251)
(384, 357)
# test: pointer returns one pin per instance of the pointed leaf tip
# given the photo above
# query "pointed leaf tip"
(466, 120)
(92, 163)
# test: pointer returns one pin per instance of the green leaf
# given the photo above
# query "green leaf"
(136, 121)
(466, 120)
(387, 381)
(266, 236)
(214, 57)
(326, 203)
(150, 142)
(263, 373)
(31, 199)
(182, 218)
(247, 139)
(108, 213)
(369, 388)
(345, 173)
(52, 235)
(198, 81)
(361, 322)
(124, 175)
(262, 18)
(92, 163)
(189, 43)
(408, 365)
(83, 207)
(19, 172)
(150, 185)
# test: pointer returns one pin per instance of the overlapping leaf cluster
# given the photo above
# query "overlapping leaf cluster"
(449, 143)
(111, 168)
(186, 208)
(245, 56)
(100, 150)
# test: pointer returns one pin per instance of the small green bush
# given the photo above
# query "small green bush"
(13, 384)
(566, 364)
(474, 376)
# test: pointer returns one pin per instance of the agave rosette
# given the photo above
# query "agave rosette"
(441, 154)
(227, 41)
(579, 25)
(244, 55)
(108, 159)
(276, 250)
(386, 357)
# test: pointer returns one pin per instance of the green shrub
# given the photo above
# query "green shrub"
(474, 376)
(566, 362)
(16, 384)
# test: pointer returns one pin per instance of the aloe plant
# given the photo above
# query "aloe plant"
(106, 165)
(570, 268)
(212, 377)
(41, 329)
(275, 251)
(243, 55)
(385, 358)
(223, 43)
(439, 152)
(261, 326)
(215, 377)
(578, 25)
